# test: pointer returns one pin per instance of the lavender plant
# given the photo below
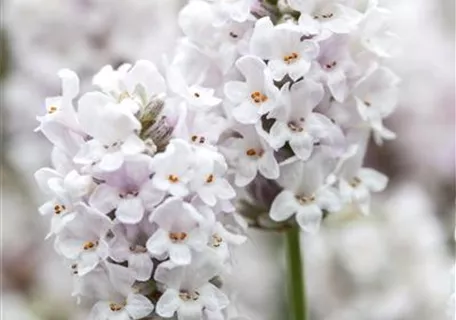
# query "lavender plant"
(264, 109)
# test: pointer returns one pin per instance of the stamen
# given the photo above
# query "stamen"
(210, 178)
(196, 94)
(52, 109)
(291, 58)
(304, 200)
(295, 127)
(258, 97)
(124, 95)
(355, 182)
(233, 35)
(187, 295)
(115, 307)
(251, 152)
(367, 103)
(177, 236)
(58, 209)
(216, 240)
(173, 178)
(90, 245)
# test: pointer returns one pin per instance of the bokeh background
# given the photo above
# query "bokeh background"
(397, 264)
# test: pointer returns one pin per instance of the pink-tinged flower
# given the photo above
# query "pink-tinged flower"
(305, 194)
(254, 97)
(129, 191)
(250, 154)
(83, 239)
(179, 232)
(66, 192)
(187, 289)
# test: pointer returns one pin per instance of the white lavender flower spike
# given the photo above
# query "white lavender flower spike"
(279, 99)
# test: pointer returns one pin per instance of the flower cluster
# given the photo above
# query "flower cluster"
(139, 201)
(257, 93)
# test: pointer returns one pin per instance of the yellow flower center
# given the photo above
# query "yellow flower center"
(258, 97)
(177, 236)
(291, 58)
(90, 245)
(52, 109)
(187, 295)
(173, 178)
(216, 240)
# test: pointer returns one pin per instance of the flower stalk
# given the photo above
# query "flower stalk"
(296, 283)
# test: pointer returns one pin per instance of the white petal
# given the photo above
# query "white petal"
(47, 208)
(158, 243)
(236, 91)
(111, 161)
(180, 254)
(278, 69)
(283, 206)
(168, 303)
(268, 166)
(138, 306)
(302, 145)
(279, 134)
(309, 218)
(133, 145)
(150, 196)
(87, 262)
(190, 311)
(246, 113)
(43, 175)
(214, 298)
(374, 180)
(225, 190)
(328, 199)
(70, 83)
(145, 73)
(247, 170)
(130, 210)
(104, 198)
(142, 264)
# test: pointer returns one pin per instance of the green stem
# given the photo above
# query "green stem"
(297, 295)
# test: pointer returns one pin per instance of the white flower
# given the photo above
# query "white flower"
(297, 124)
(115, 138)
(305, 195)
(129, 191)
(201, 128)
(82, 239)
(209, 182)
(187, 289)
(326, 16)
(250, 154)
(132, 306)
(173, 168)
(376, 98)
(356, 183)
(374, 33)
(336, 65)
(60, 109)
(288, 53)
(254, 97)
(197, 97)
(178, 231)
(66, 192)
(139, 83)
(221, 241)
(123, 249)
(237, 10)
